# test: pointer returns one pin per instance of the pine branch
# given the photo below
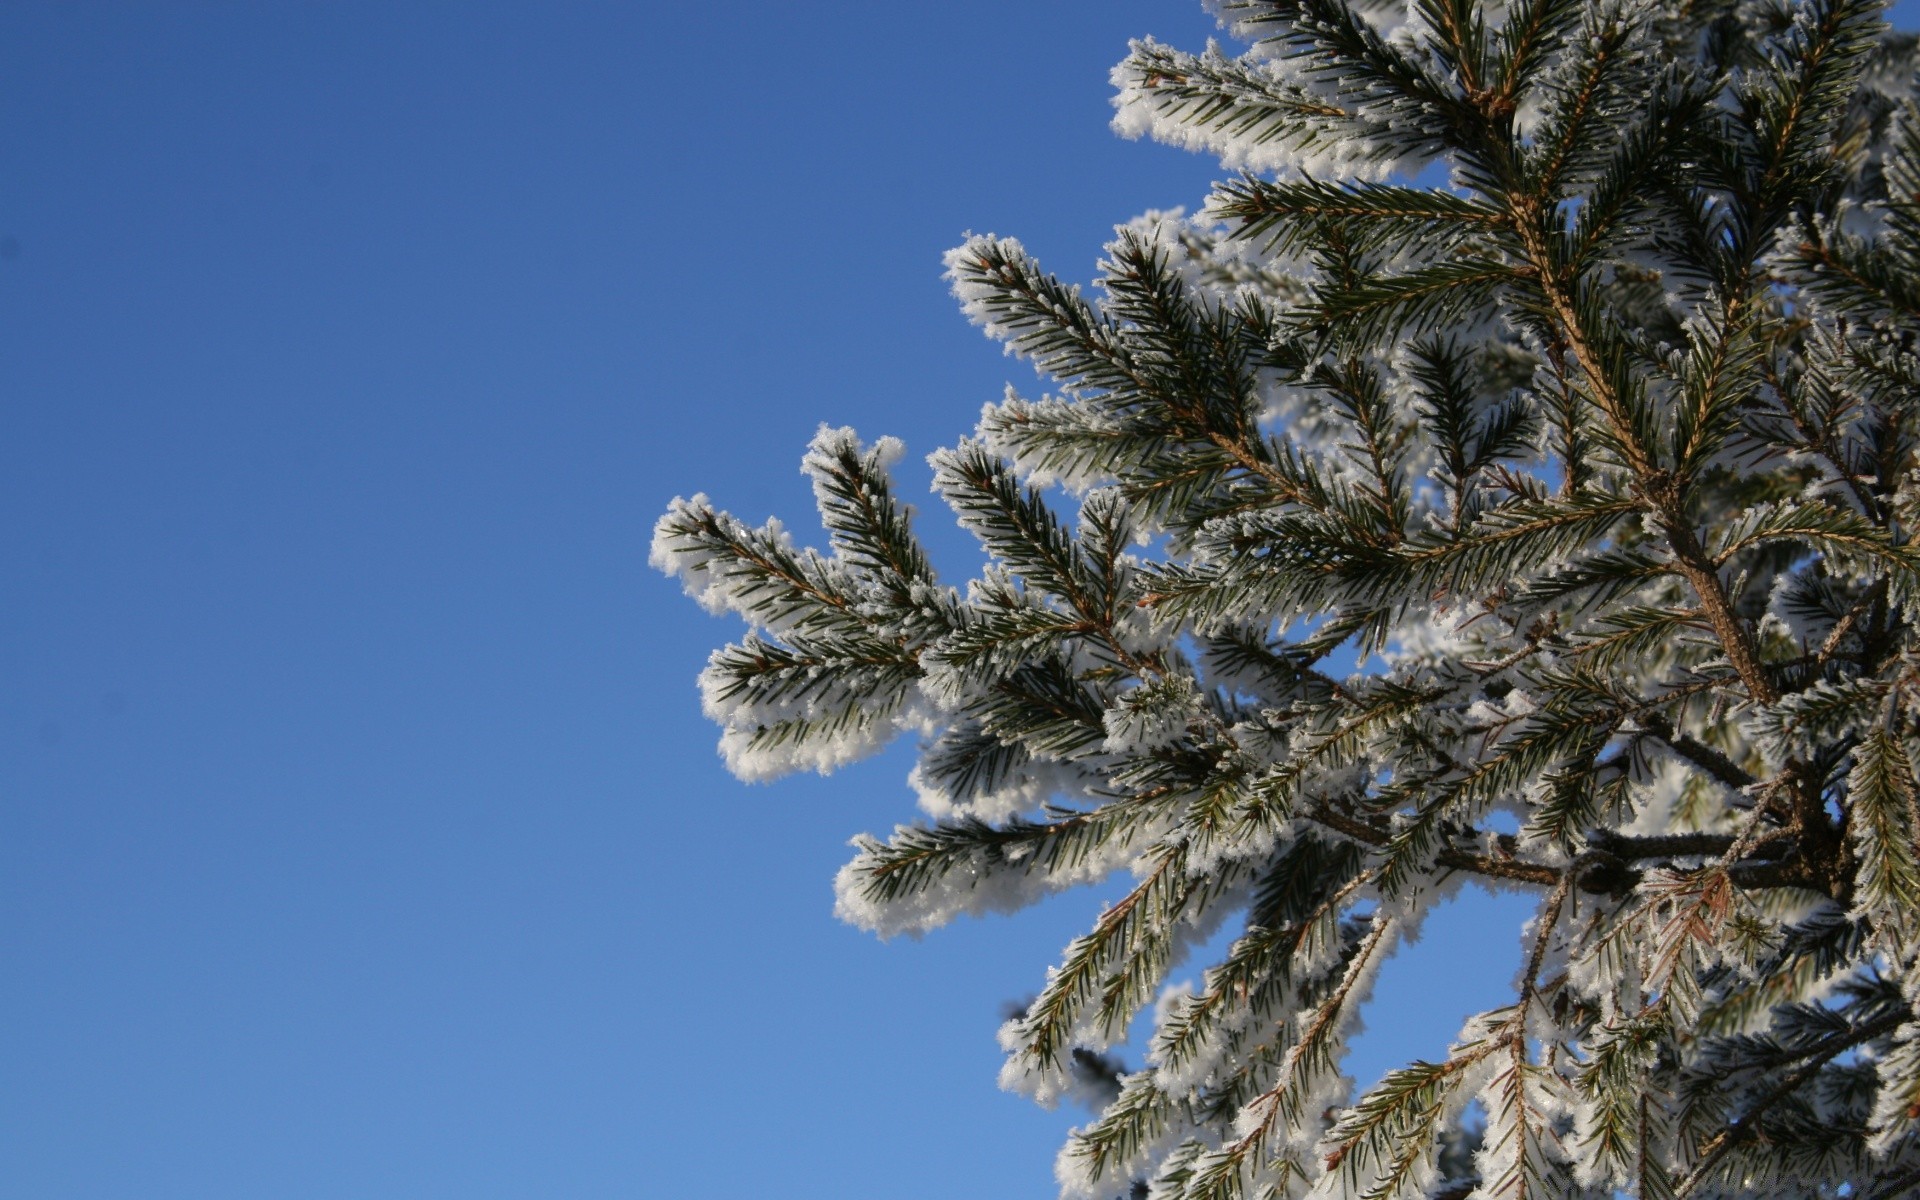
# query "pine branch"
(1882, 819)
(1409, 302)
(1286, 217)
(1375, 76)
(1245, 114)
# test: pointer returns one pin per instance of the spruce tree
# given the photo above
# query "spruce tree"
(1508, 475)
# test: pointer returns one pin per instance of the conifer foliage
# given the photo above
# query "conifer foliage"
(1509, 474)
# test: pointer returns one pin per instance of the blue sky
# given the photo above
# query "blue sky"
(359, 832)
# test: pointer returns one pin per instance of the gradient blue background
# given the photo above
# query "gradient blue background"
(359, 832)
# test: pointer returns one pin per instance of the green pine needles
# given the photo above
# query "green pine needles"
(1509, 475)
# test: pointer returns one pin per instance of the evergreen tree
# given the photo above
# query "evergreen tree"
(1508, 475)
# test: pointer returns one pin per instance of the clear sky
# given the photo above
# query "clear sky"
(359, 832)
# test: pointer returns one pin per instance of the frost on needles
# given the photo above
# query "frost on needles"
(1557, 361)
